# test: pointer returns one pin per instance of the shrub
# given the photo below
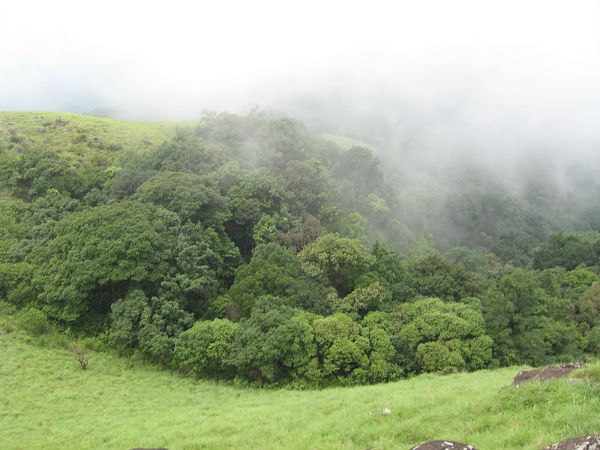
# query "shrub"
(6, 309)
(204, 349)
(33, 321)
(80, 356)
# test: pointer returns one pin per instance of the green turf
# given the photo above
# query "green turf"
(47, 401)
(81, 138)
(346, 142)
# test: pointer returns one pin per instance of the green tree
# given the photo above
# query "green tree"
(258, 193)
(33, 172)
(340, 260)
(204, 350)
(191, 196)
(372, 297)
(126, 316)
(275, 270)
(359, 171)
(435, 277)
(566, 250)
(343, 350)
(275, 344)
(98, 255)
(526, 324)
(446, 336)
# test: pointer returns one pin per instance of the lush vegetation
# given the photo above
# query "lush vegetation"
(49, 402)
(247, 249)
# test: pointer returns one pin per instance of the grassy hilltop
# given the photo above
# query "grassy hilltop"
(49, 402)
(80, 138)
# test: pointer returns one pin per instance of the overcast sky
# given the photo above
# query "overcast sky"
(489, 64)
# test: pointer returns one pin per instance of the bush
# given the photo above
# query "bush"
(204, 349)
(6, 309)
(33, 321)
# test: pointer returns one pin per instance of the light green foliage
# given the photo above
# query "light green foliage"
(383, 329)
(433, 276)
(33, 321)
(588, 306)
(363, 299)
(33, 172)
(528, 325)
(353, 226)
(191, 196)
(16, 283)
(275, 270)
(437, 357)
(343, 349)
(126, 315)
(446, 335)
(151, 324)
(160, 324)
(273, 345)
(186, 152)
(265, 229)
(376, 210)
(394, 271)
(340, 260)
(204, 350)
(576, 282)
(204, 264)
(12, 227)
(259, 192)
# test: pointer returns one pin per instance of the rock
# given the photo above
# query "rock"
(547, 373)
(581, 443)
(381, 411)
(41, 130)
(443, 445)
(60, 123)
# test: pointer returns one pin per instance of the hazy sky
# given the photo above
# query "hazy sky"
(485, 65)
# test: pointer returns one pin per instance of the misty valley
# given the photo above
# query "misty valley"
(246, 260)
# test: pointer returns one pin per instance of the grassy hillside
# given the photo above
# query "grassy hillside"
(49, 402)
(346, 142)
(79, 138)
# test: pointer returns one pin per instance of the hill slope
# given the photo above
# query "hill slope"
(77, 137)
(49, 402)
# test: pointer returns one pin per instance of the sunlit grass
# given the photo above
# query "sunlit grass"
(346, 142)
(47, 401)
(84, 138)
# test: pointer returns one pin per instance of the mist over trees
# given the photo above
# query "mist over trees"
(249, 247)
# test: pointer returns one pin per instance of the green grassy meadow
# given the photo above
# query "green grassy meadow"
(47, 401)
(79, 138)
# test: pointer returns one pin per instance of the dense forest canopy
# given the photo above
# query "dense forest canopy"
(247, 247)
